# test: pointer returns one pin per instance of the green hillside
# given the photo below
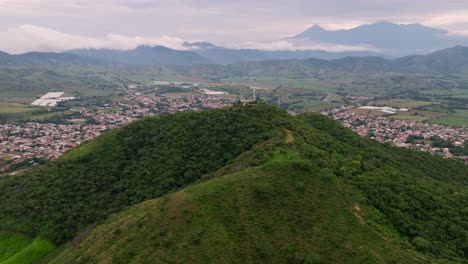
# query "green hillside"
(126, 166)
(245, 184)
(287, 210)
(18, 248)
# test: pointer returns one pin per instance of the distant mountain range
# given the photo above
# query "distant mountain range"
(220, 55)
(448, 61)
(452, 61)
(202, 53)
(384, 37)
(44, 58)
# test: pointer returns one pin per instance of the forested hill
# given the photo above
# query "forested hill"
(141, 161)
(245, 184)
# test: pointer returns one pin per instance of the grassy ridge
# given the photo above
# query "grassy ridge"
(18, 249)
(11, 243)
(288, 210)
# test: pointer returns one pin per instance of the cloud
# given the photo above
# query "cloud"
(296, 45)
(26, 38)
(224, 21)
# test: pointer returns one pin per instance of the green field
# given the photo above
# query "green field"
(418, 115)
(401, 103)
(456, 92)
(16, 108)
(18, 112)
(312, 105)
(19, 249)
(24, 85)
(457, 119)
(309, 84)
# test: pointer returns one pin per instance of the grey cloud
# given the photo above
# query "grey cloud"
(222, 22)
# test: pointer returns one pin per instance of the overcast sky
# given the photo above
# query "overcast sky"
(56, 25)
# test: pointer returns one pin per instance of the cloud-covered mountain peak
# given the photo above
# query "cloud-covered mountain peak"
(390, 38)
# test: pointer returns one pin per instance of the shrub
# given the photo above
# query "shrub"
(264, 190)
(265, 249)
(421, 244)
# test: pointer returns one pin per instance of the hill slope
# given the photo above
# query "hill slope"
(126, 166)
(269, 187)
(321, 192)
(286, 210)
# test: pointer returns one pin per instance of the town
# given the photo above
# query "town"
(435, 139)
(27, 142)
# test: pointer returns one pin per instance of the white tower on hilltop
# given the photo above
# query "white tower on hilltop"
(254, 94)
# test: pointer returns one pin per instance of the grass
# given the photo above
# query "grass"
(312, 105)
(18, 249)
(24, 85)
(414, 115)
(418, 115)
(139, 78)
(457, 119)
(27, 115)
(256, 215)
(455, 92)
(309, 84)
(15, 108)
(10, 244)
(401, 103)
(368, 112)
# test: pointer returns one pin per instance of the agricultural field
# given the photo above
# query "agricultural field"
(309, 84)
(24, 85)
(368, 112)
(312, 105)
(418, 115)
(401, 103)
(16, 111)
(15, 108)
(457, 119)
(455, 92)
(365, 90)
